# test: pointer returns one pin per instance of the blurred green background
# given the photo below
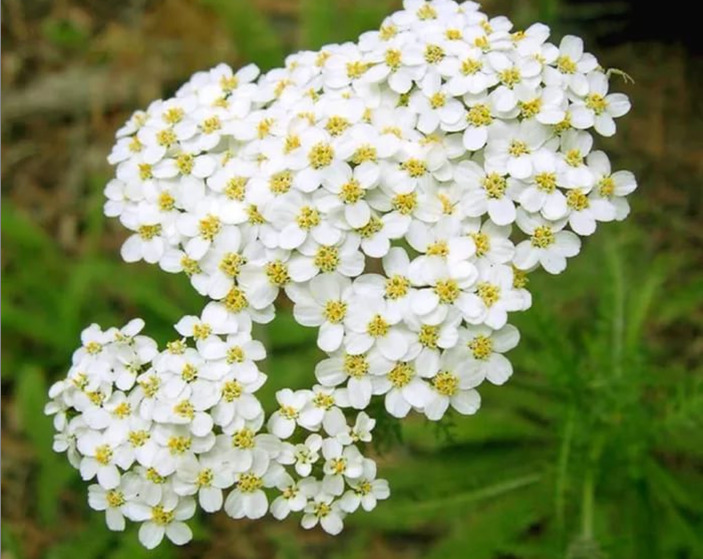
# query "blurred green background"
(593, 450)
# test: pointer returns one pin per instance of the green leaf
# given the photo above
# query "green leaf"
(54, 472)
(251, 32)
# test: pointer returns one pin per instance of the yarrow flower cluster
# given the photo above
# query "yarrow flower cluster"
(397, 190)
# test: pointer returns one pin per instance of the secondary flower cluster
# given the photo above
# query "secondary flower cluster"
(397, 190)
(158, 430)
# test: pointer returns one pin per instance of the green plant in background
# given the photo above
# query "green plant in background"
(592, 450)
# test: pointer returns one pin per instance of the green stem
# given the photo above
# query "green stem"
(587, 506)
(562, 469)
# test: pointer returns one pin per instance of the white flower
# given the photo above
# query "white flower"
(282, 422)
(114, 502)
(542, 193)
(207, 476)
(340, 463)
(571, 66)
(323, 303)
(101, 458)
(612, 187)
(355, 369)
(404, 388)
(487, 192)
(548, 245)
(372, 323)
(485, 350)
(493, 299)
(598, 109)
(511, 147)
(302, 455)
(163, 519)
(453, 385)
(292, 497)
(324, 509)
(365, 491)
(248, 499)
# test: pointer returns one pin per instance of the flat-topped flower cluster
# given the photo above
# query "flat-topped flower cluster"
(398, 190)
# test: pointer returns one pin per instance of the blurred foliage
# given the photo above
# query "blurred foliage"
(593, 449)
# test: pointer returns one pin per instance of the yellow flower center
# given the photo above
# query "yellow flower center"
(446, 383)
(321, 155)
(546, 182)
(335, 311)
(277, 273)
(494, 185)
(166, 137)
(115, 498)
(566, 65)
(161, 517)
(211, 125)
(138, 438)
(393, 59)
(231, 390)
(518, 148)
(401, 375)
(231, 264)
(244, 438)
(280, 183)
(356, 69)
(365, 152)
(574, 158)
(510, 77)
(202, 331)
(439, 248)
(425, 12)
(434, 54)
(122, 410)
(479, 115)
(308, 218)
(405, 204)
(482, 242)
(148, 232)
(103, 454)
(428, 336)
(606, 187)
(371, 228)
(596, 103)
(235, 301)
(351, 192)
(179, 445)
(189, 372)
(447, 290)
(414, 167)
(542, 237)
(481, 347)
(530, 109)
(205, 478)
(471, 66)
(209, 227)
(327, 258)
(336, 125)
(236, 188)
(322, 400)
(489, 293)
(577, 200)
(438, 100)
(397, 286)
(377, 327)
(355, 365)
(185, 409)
